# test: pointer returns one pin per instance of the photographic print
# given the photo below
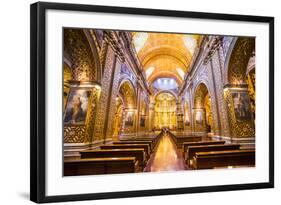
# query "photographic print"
(129, 102)
(165, 61)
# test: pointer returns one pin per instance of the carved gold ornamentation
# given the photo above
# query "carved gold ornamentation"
(74, 134)
(240, 56)
(77, 47)
(165, 111)
(103, 102)
(203, 97)
(242, 128)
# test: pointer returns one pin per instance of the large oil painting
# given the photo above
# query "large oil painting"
(129, 120)
(77, 105)
(242, 105)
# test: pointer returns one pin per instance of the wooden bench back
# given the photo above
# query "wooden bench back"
(208, 148)
(127, 146)
(139, 154)
(100, 166)
(185, 145)
(152, 141)
(135, 142)
(181, 140)
(207, 160)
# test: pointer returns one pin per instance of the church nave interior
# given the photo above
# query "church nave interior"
(154, 102)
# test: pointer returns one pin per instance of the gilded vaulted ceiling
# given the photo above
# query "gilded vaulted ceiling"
(164, 54)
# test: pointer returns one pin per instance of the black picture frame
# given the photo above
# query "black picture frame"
(38, 101)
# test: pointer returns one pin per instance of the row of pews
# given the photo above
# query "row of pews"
(216, 154)
(125, 156)
(179, 140)
(200, 153)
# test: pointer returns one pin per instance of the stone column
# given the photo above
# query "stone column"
(79, 136)
(222, 109)
(112, 98)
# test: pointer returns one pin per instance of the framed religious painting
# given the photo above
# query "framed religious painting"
(129, 102)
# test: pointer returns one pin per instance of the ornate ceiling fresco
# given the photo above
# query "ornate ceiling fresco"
(165, 55)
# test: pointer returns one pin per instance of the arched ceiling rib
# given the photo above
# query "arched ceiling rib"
(169, 54)
(165, 74)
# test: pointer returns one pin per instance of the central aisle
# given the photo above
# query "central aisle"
(166, 157)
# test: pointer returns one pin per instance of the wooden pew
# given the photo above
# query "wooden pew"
(208, 148)
(181, 140)
(185, 145)
(77, 167)
(153, 141)
(208, 160)
(139, 154)
(128, 146)
(135, 142)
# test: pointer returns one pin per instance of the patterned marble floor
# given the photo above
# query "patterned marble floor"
(166, 157)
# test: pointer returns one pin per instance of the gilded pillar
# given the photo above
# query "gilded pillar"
(222, 109)
(241, 119)
(112, 99)
(151, 116)
(179, 113)
(138, 113)
(103, 105)
(78, 128)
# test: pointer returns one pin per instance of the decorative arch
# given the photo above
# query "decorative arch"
(165, 74)
(95, 55)
(128, 94)
(168, 56)
(200, 92)
(166, 50)
(165, 91)
(236, 66)
(203, 109)
(128, 98)
(82, 55)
